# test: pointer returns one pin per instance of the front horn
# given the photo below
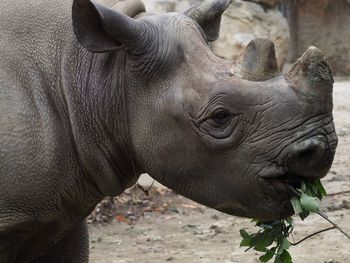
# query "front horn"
(311, 73)
(208, 15)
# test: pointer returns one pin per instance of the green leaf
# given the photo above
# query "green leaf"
(278, 259)
(268, 255)
(296, 205)
(244, 234)
(285, 257)
(247, 239)
(309, 203)
(246, 242)
(285, 243)
(320, 189)
(263, 239)
(260, 248)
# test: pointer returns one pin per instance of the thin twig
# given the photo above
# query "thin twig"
(249, 248)
(314, 234)
(293, 237)
(296, 192)
(334, 224)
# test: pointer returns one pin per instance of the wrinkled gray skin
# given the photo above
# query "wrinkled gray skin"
(76, 125)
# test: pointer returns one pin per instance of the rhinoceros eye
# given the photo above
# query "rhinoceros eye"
(221, 116)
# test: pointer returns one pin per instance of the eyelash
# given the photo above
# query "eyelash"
(221, 116)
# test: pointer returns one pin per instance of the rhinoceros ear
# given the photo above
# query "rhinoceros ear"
(208, 15)
(101, 29)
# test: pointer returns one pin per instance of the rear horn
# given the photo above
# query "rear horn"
(259, 61)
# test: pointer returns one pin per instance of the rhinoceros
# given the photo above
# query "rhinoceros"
(93, 94)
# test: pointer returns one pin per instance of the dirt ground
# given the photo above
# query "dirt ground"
(165, 227)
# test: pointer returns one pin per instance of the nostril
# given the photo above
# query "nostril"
(310, 156)
(306, 157)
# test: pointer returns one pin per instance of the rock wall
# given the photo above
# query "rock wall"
(245, 21)
(321, 23)
(241, 23)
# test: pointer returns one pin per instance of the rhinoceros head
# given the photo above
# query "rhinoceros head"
(221, 133)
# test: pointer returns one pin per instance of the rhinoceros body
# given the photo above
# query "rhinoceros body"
(39, 163)
(91, 98)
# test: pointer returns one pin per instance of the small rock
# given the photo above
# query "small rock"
(154, 238)
(215, 217)
(217, 229)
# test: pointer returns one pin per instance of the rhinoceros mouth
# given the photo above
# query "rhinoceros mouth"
(288, 182)
(294, 181)
(285, 186)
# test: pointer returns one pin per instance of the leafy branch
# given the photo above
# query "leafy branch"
(320, 213)
(272, 238)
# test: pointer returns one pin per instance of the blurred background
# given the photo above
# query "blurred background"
(293, 25)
